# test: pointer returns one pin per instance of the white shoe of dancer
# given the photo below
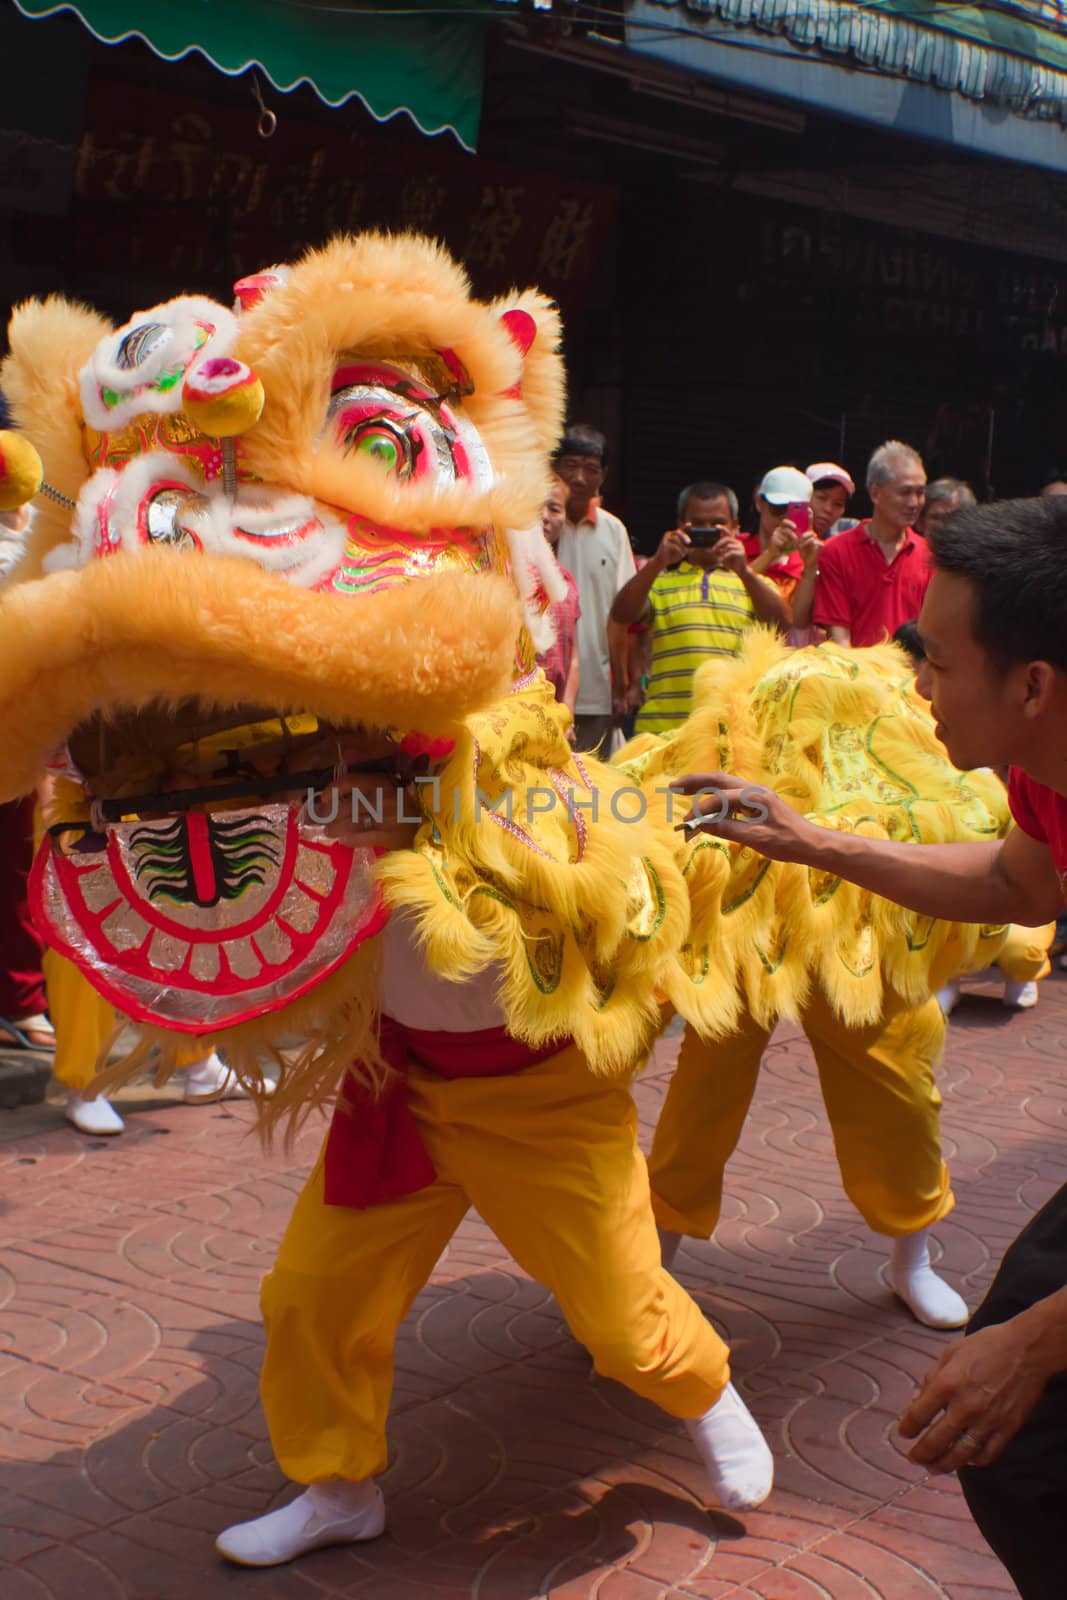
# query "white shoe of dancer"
(1019, 996)
(212, 1079)
(737, 1457)
(326, 1513)
(929, 1298)
(668, 1247)
(93, 1116)
(948, 997)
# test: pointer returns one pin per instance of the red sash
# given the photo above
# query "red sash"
(374, 1151)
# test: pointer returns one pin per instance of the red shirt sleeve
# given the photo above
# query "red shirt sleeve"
(1020, 803)
(832, 608)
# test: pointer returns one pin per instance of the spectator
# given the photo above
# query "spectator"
(873, 577)
(772, 551)
(832, 489)
(944, 497)
(784, 553)
(560, 663)
(595, 547)
(1055, 484)
(23, 1023)
(700, 598)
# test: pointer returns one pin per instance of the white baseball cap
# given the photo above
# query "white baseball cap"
(823, 470)
(785, 486)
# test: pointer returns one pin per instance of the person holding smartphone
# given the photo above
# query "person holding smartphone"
(699, 597)
(786, 547)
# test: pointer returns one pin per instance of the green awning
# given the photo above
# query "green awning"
(428, 66)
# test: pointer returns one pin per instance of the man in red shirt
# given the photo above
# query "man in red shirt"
(873, 576)
(994, 627)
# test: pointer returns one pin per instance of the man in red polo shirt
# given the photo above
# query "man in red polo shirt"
(873, 577)
(994, 628)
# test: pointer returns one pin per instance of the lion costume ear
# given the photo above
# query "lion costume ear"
(533, 326)
(50, 342)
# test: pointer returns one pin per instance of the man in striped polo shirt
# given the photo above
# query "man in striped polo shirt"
(699, 598)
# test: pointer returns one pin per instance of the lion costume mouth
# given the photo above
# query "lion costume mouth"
(199, 868)
(182, 870)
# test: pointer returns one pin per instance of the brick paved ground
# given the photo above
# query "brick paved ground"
(130, 1343)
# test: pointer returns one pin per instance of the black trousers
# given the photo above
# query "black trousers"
(1020, 1502)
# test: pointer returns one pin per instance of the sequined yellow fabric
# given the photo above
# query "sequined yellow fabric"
(572, 877)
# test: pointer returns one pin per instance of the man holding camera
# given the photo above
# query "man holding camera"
(699, 598)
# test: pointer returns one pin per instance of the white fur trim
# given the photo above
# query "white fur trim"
(535, 572)
(259, 510)
(182, 317)
(262, 511)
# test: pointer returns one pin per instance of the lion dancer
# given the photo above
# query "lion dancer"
(475, 1118)
(861, 988)
(884, 1108)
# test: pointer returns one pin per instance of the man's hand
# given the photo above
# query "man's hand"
(729, 553)
(745, 813)
(673, 547)
(977, 1397)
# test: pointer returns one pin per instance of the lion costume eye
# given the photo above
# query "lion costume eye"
(388, 440)
(393, 417)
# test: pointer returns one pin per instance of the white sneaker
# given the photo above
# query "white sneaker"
(326, 1513)
(1019, 996)
(212, 1079)
(929, 1298)
(93, 1116)
(735, 1454)
(948, 997)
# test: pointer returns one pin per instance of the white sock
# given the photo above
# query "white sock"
(668, 1247)
(929, 1298)
(1021, 996)
(93, 1116)
(340, 1512)
(737, 1458)
(948, 996)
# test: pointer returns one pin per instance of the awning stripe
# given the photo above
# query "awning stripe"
(428, 68)
(1023, 66)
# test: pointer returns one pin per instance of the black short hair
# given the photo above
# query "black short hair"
(580, 439)
(910, 639)
(1014, 555)
(707, 490)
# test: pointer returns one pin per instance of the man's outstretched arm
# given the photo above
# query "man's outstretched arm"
(1010, 880)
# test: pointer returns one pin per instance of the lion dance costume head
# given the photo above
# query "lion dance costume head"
(279, 542)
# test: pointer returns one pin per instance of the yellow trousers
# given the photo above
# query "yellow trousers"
(1024, 958)
(550, 1158)
(880, 1096)
(84, 1021)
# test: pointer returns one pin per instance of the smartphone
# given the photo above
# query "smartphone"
(799, 515)
(705, 538)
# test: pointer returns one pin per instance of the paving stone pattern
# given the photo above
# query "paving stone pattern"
(130, 1345)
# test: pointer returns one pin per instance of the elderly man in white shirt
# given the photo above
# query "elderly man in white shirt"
(595, 547)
